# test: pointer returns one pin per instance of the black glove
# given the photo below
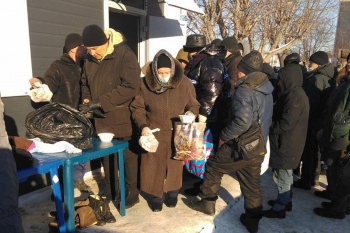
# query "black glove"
(92, 105)
(98, 113)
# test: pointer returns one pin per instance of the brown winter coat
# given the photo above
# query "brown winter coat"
(157, 108)
(115, 81)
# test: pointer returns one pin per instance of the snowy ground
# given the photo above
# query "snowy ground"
(35, 208)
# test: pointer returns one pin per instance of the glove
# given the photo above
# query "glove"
(202, 118)
(92, 105)
(98, 113)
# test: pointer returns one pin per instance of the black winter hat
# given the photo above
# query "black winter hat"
(230, 44)
(163, 61)
(319, 57)
(251, 62)
(217, 42)
(194, 43)
(93, 35)
(73, 40)
(292, 58)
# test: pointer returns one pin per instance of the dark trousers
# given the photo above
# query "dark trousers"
(311, 158)
(131, 165)
(247, 171)
(339, 199)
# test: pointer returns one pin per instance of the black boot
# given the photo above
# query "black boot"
(328, 213)
(288, 207)
(206, 205)
(96, 204)
(250, 219)
(271, 213)
(106, 212)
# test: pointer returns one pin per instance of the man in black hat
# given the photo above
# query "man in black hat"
(63, 80)
(110, 81)
(206, 72)
(318, 88)
(252, 84)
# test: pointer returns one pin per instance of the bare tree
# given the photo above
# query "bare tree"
(271, 26)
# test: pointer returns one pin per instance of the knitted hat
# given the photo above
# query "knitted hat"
(251, 62)
(230, 44)
(194, 43)
(93, 35)
(292, 58)
(182, 55)
(319, 57)
(163, 61)
(73, 40)
(217, 42)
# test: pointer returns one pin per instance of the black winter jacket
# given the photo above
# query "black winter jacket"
(290, 120)
(63, 79)
(207, 77)
(243, 109)
(318, 88)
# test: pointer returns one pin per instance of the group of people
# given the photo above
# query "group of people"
(302, 114)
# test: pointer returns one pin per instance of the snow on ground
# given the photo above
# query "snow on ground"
(35, 208)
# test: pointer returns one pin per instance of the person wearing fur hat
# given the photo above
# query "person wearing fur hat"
(63, 80)
(251, 100)
(165, 94)
(318, 87)
(110, 81)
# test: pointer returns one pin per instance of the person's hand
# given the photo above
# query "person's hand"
(98, 113)
(221, 142)
(34, 81)
(90, 106)
(189, 113)
(202, 118)
(146, 131)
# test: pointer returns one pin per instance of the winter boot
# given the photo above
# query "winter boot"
(96, 204)
(206, 205)
(271, 213)
(328, 213)
(250, 219)
(106, 212)
(288, 207)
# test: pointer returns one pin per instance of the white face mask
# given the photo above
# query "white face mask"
(164, 79)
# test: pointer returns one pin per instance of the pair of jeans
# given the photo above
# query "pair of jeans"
(247, 171)
(79, 171)
(283, 178)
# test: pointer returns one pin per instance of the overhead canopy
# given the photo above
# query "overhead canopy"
(188, 5)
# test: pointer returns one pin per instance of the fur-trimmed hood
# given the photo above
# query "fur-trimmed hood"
(152, 79)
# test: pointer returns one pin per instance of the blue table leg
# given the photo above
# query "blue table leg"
(58, 199)
(68, 184)
(121, 181)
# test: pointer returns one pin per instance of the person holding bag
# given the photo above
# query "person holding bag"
(165, 94)
(251, 101)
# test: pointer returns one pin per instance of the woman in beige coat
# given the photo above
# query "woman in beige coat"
(165, 94)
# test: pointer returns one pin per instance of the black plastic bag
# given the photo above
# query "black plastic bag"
(59, 122)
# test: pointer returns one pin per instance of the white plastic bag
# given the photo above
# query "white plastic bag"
(41, 93)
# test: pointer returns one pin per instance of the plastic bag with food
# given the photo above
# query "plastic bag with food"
(189, 141)
(149, 142)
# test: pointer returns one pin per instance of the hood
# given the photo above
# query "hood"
(257, 81)
(152, 79)
(327, 70)
(291, 77)
(114, 38)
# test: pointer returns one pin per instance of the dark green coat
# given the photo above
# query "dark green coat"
(336, 125)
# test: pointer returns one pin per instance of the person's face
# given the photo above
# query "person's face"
(98, 52)
(163, 72)
(240, 74)
(313, 66)
(183, 63)
(191, 55)
(80, 53)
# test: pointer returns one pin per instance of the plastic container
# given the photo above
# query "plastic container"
(106, 137)
(187, 118)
